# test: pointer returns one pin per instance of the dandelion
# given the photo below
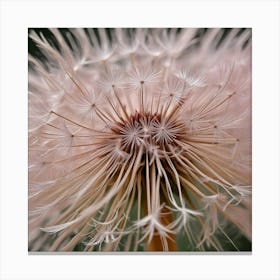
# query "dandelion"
(139, 140)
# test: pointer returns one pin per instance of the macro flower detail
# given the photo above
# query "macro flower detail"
(140, 140)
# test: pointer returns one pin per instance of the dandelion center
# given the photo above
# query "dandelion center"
(148, 130)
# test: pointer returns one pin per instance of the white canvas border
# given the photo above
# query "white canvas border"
(262, 16)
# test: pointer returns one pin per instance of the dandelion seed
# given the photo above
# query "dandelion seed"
(141, 75)
(190, 79)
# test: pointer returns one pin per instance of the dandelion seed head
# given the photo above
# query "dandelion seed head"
(137, 136)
